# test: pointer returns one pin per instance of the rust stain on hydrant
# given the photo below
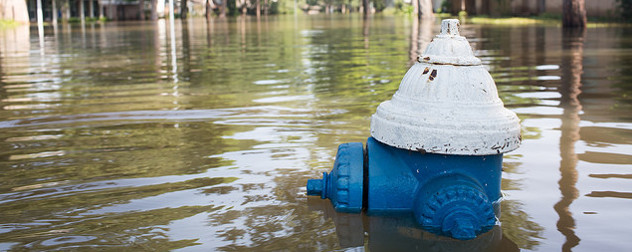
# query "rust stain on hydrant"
(433, 75)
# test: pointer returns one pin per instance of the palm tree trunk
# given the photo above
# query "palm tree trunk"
(573, 13)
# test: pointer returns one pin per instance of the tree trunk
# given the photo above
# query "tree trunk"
(425, 9)
(541, 6)
(244, 8)
(485, 10)
(91, 8)
(141, 9)
(100, 9)
(66, 11)
(184, 9)
(224, 7)
(365, 7)
(40, 19)
(82, 13)
(207, 9)
(154, 10)
(112, 11)
(416, 10)
(54, 11)
(265, 7)
(258, 8)
(573, 13)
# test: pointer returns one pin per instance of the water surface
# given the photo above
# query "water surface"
(109, 141)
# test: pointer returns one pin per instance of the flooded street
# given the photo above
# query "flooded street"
(121, 136)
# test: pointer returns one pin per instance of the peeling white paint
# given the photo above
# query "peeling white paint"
(447, 103)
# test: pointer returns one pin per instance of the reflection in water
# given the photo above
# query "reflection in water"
(366, 28)
(12, 45)
(572, 69)
(401, 233)
(420, 36)
(172, 36)
(93, 153)
(40, 26)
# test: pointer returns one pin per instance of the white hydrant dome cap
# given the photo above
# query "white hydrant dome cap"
(447, 103)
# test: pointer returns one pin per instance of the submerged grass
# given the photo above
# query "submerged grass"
(544, 19)
(511, 20)
(4, 24)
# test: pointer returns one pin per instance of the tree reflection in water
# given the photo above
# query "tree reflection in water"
(572, 48)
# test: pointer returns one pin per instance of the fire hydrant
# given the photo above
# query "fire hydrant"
(435, 149)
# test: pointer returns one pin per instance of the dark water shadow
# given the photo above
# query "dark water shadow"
(401, 233)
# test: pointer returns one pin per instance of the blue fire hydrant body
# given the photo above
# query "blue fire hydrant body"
(448, 194)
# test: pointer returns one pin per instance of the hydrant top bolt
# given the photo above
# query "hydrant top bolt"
(450, 27)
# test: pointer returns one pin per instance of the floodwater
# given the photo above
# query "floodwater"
(132, 136)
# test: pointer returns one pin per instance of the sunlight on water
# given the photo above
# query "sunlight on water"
(109, 140)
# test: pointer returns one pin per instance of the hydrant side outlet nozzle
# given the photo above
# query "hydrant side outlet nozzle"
(344, 184)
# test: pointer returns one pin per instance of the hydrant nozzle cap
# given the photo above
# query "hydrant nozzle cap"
(450, 27)
(447, 103)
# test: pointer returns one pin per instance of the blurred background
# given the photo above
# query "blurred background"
(118, 131)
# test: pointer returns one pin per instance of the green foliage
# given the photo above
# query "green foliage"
(626, 9)
(94, 19)
(274, 8)
(401, 7)
(74, 20)
(379, 5)
(232, 7)
(462, 14)
(446, 6)
(550, 16)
